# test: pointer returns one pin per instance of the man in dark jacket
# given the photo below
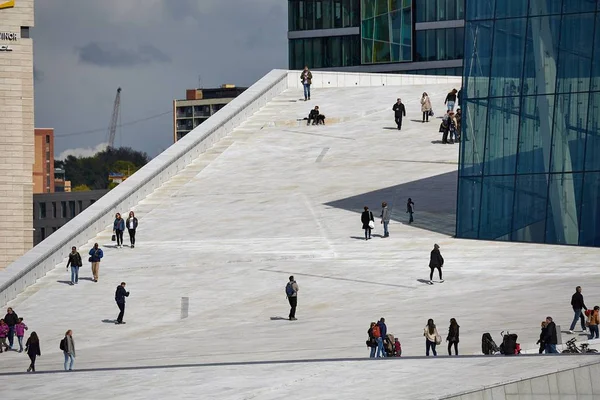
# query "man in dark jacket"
(436, 261)
(75, 262)
(96, 255)
(551, 338)
(578, 305)
(381, 338)
(11, 318)
(399, 112)
(316, 117)
(120, 295)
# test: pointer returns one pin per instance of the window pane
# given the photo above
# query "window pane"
(460, 9)
(441, 45)
(318, 14)
(590, 211)
(501, 143)
(431, 53)
(309, 9)
(450, 9)
(539, 71)
(441, 10)
(481, 9)
(473, 127)
(421, 45)
(534, 139)
(529, 215)
(545, 7)
(507, 57)
(496, 207)
(460, 43)
(337, 12)
(596, 59)
(508, 8)
(564, 198)
(430, 6)
(450, 44)
(568, 139)
(467, 218)
(318, 52)
(327, 14)
(570, 6)
(477, 61)
(382, 31)
(367, 51)
(381, 52)
(575, 58)
(592, 156)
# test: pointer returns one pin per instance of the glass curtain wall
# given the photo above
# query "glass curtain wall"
(386, 31)
(530, 151)
(325, 52)
(306, 15)
(440, 10)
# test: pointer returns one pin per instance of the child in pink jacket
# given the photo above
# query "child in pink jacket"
(20, 329)
(3, 334)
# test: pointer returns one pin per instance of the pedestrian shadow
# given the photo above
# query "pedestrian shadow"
(64, 282)
(279, 319)
(390, 128)
(357, 237)
(437, 142)
(109, 321)
(87, 279)
(425, 281)
(377, 235)
(417, 120)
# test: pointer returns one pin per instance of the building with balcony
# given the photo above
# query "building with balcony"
(43, 166)
(396, 36)
(199, 105)
(530, 153)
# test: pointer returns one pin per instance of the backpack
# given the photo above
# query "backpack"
(376, 332)
(63, 344)
(289, 289)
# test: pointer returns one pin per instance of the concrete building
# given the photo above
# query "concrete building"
(409, 36)
(43, 166)
(198, 106)
(52, 210)
(16, 129)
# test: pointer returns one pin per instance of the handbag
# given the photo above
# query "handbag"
(113, 238)
(90, 259)
(438, 339)
(371, 224)
(431, 113)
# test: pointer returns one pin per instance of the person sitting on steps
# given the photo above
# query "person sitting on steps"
(316, 117)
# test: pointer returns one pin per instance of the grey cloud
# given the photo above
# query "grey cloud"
(111, 55)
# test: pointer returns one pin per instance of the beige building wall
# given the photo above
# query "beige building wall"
(16, 130)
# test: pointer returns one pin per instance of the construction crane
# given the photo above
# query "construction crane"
(112, 129)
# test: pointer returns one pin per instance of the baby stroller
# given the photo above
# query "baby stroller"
(509, 344)
(388, 345)
(488, 346)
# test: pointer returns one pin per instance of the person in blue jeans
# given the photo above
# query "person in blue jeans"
(372, 342)
(306, 78)
(74, 262)
(551, 338)
(383, 334)
(578, 307)
(593, 323)
(68, 347)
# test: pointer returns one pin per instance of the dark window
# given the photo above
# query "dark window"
(42, 208)
(323, 14)
(72, 212)
(47, 138)
(63, 208)
(54, 229)
(54, 213)
(92, 201)
(440, 44)
(439, 10)
(25, 34)
(80, 205)
(43, 233)
(325, 52)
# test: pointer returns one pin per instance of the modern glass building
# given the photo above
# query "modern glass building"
(530, 152)
(410, 36)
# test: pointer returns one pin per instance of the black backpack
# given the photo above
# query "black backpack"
(509, 344)
(63, 344)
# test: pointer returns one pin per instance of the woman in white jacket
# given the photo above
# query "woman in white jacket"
(425, 106)
(432, 337)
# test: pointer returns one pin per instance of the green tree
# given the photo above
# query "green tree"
(81, 188)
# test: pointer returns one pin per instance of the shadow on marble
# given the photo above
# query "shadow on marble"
(434, 198)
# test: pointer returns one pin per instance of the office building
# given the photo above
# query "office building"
(43, 166)
(53, 210)
(530, 155)
(16, 129)
(395, 36)
(198, 106)
(60, 182)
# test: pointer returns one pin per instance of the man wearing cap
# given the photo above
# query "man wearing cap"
(436, 261)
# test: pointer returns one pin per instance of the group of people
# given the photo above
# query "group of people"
(12, 326)
(368, 220)
(581, 312)
(119, 226)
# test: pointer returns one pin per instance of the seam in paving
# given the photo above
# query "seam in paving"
(322, 155)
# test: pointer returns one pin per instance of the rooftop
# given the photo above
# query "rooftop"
(279, 198)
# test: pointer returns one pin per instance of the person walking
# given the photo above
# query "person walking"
(578, 306)
(11, 319)
(132, 224)
(372, 342)
(425, 107)
(410, 209)
(399, 112)
(436, 261)
(3, 335)
(368, 222)
(593, 321)
(541, 340)
(382, 334)
(306, 78)
(96, 255)
(550, 339)
(120, 295)
(385, 219)
(32, 348)
(291, 292)
(453, 336)
(432, 337)
(74, 262)
(451, 99)
(20, 329)
(118, 229)
(67, 345)
(452, 128)
(445, 128)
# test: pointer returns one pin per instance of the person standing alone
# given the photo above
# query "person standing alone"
(425, 106)
(410, 209)
(436, 261)
(120, 295)
(399, 112)
(32, 348)
(67, 345)
(75, 262)
(306, 78)
(96, 255)
(385, 219)
(119, 228)
(132, 224)
(367, 222)
(578, 307)
(291, 292)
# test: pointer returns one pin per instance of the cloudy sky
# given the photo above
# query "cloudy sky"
(153, 49)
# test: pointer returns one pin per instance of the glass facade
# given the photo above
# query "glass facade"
(386, 31)
(440, 10)
(530, 151)
(306, 15)
(440, 44)
(324, 52)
